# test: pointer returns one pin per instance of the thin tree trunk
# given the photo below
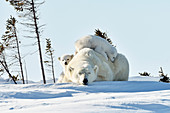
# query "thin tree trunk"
(26, 73)
(38, 39)
(4, 60)
(19, 56)
(52, 67)
(8, 71)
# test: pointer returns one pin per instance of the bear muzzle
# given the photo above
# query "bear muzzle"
(85, 81)
(66, 63)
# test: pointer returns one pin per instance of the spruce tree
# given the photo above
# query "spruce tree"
(50, 61)
(10, 41)
(28, 10)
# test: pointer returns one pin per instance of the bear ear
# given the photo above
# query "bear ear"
(76, 52)
(96, 69)
(72, 56)
(71, 69)
(59, 58)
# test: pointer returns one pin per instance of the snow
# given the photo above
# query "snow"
(138, 95)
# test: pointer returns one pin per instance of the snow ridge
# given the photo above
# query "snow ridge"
(133, 96)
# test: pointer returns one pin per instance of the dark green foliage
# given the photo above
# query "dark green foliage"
(145, 74)
(7, 70)
(1, 47)
(28, 11)
(164, 78)
(50, 62)
(10, 42)
(1, 70)
(49, 49)
(103, 35)
(2, 58)
(15, 78)
(17, 4)
(10, 34)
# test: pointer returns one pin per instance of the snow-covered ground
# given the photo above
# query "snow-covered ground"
(138, 95)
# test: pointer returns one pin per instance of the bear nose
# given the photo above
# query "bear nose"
(65, 63)
(85, 81)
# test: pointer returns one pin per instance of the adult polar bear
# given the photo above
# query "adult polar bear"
(88, 66)
(98, 44)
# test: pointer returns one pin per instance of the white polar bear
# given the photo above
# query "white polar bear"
(88, 66)
(64, 61)
(97, 43)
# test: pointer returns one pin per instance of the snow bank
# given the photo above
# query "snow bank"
(146, 96)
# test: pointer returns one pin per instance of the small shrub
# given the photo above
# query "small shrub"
(103, 35)
(164, 78)
(145, 74)
(15, 77)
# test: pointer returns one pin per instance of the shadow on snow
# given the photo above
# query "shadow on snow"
(119, 86)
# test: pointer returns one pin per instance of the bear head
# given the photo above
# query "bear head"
(84, 74)
(65, 59)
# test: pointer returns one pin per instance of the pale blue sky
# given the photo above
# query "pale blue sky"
(139, 28)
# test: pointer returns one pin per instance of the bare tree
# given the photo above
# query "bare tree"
(11, 39)
(12, 23)
(28, 10)
(49, 53)
(8, 72)
(4, 63)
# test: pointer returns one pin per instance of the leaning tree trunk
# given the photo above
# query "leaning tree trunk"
(19, 56)
(52, 66)
(8, 72)
(38, 39)
(4, 61)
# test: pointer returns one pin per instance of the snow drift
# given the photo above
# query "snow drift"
(145, 96)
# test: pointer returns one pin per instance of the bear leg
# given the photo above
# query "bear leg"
(101, 51)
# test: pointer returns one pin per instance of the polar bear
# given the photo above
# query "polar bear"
(97, 43)
(88, 66)
(64, 61)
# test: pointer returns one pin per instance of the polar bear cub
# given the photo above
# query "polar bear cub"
(99, 45)
(64, 61)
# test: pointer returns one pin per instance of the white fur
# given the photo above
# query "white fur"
(64, 61)
(98, 44)
(90, 65)
(60, 79)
